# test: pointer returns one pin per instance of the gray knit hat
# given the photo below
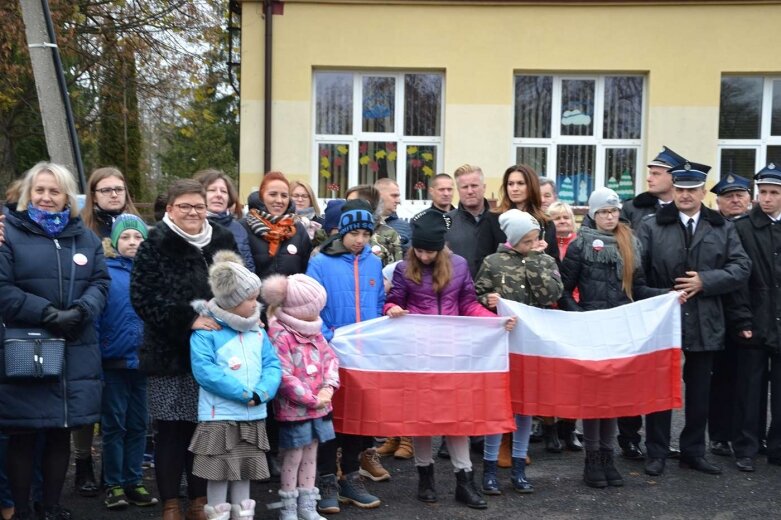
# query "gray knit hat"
(602, 198)
(516, 224)
(230, 281)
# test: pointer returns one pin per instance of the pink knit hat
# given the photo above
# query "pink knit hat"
(297, 295)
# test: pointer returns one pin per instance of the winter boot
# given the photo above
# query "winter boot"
(405, 450)
(195, 509)
(85, 478)
(328, 503)
(466, 491)
(551, 435)
(56, 513)
(288, 506)
(371, 467)
(612, 475)
(568, 435)
(518, 476)
(388, 447)
(490, 482)
(171, 509)
(217, 512)
(307, 500)
(243, 511)
(505, 451)
(352, 490)
(426, 489)
(593, 472)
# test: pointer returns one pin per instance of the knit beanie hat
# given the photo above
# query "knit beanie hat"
(429, 228)
(516, 224)
(602, 198)
(356, 214)
(124, 222)
(333, 211)
(297, 295)
(230, 281)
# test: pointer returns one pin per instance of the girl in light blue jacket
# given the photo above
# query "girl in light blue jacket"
(238, 371)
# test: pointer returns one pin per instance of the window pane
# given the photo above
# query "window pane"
(620, 171)
(575, 166)
(422, 104)
(537, 158)
(375, 161)
(774, 154)
(334, 103)
(740, 111)
(775, 116)
(533, 106)
(379, 98)
(421, 167)
(738, 161)
(332, 169)
(623, 107)
(577, 107)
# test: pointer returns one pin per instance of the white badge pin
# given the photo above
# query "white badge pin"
(234, 363)
(376, 249)
(598, 245)
(311, 369)
(292, 249)
(79, 259)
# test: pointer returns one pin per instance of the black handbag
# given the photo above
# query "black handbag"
(35, 352)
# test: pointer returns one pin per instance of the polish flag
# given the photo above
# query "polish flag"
(598, 364)
(423, 375)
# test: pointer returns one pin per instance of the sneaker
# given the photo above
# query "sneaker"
(139, 496)
(371, 467)
(116, 498)
(352, 490)
(149, 461)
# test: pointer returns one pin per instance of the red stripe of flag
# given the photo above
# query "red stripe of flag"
(578, 389)
(414, 404)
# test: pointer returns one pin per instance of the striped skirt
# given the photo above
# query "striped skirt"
(230, 450)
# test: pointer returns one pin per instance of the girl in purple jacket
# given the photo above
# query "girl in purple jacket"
(433, 280)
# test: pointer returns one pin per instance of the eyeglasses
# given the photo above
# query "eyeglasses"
(608, 211)
(299, 196)
(187, 208)
(119, 190)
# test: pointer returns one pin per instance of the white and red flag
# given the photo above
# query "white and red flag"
(423, 375)
(599, 364)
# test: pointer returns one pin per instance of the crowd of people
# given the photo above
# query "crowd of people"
(211, 329)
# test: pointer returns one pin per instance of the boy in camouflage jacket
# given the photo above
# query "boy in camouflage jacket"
(521, 272)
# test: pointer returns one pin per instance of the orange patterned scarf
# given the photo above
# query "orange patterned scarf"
(273, 230)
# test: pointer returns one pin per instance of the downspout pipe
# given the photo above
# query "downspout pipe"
(269, 15)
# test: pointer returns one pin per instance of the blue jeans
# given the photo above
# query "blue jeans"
(523, 429)
(123, 422)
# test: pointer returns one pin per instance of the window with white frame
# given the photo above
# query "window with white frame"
(581, 131)
(749, 124)
(371, 125)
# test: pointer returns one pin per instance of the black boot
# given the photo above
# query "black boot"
(568, 435)
(551, 435)
(593, 473)
(466, 492)
(518, 476)
(426, 490)
(612, 475)
(85, 478)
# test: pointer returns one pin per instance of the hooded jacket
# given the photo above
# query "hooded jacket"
(636, 209)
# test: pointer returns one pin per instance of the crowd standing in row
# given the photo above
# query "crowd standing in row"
(217, 327)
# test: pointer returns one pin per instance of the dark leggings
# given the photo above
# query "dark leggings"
(172, 457)
(21, 465)
(352, 446)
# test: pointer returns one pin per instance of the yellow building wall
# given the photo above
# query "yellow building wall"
(683, 50)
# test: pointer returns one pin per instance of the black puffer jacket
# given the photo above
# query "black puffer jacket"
(636, 209)
(474, 240)
(168, 274)
(35, 271)
(717, 256)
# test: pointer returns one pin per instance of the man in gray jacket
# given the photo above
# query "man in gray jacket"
(688, 247)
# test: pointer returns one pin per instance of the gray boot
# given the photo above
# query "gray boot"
(307, 504)
(288, 506)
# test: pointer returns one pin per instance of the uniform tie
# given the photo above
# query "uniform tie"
(689, 232)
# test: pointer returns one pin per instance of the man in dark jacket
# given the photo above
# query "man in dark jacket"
(690, 248)
(391, 198)
(441, 193)
(759, 322)
(474, 232)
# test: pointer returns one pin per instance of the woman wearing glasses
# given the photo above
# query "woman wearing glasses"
(171, 270)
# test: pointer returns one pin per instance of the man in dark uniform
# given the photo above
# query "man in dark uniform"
(660, 192)
(688, 247)
(733, 198)
(759, 319)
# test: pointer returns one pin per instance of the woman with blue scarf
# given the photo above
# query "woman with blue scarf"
(52, 277)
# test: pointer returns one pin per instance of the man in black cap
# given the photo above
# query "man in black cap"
(759, 319)
(733, 198)
(660, 188)
(690, 248)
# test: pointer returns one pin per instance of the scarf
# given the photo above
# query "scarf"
(224, 219)
(51, 222)
(273, 230)
(234, 321)
(608, 253)
(303, 328)
(200, 240)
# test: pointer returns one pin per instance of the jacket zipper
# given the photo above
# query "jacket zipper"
(357, 290)
(244, 355)
(63, 378)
